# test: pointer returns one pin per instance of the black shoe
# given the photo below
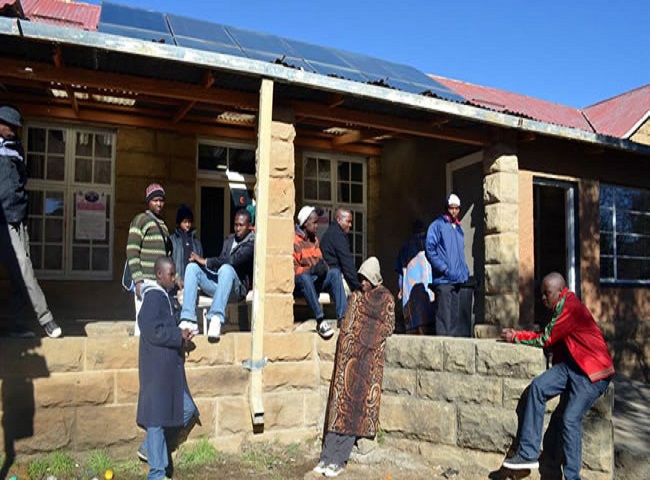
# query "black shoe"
(520, 463)
(52, 329)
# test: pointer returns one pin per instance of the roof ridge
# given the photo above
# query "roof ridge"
(622, 94)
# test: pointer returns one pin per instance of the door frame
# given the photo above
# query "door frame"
(572, 230)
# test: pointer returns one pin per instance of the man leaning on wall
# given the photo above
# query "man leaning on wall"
(14, 238)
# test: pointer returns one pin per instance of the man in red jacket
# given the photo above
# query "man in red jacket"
(582, 369)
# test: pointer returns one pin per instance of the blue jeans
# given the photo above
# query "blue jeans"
(582, 393)
(309, 286)
(222, 286)
(155, 442)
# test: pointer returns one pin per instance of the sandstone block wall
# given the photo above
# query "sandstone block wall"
(442, 397)
(448, 397)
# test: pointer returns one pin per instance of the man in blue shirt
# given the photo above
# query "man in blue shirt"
(445, 248)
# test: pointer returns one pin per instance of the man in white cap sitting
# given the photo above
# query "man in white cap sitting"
(312, 273)
(445, 248)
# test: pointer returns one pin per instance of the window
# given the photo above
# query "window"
(214, 157)
(71, 188)
(624, 235)
(331, 182)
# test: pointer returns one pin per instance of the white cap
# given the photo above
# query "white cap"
(453, 200)
(304, 214)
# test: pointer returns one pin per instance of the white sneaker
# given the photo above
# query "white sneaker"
(189, 325)
(214, 330)
(324, 330)
(333, 470)
(320, 468)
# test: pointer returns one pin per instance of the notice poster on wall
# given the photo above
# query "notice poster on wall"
(90, 221)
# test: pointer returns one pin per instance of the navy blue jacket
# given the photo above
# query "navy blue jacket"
(161, 361)
(445, 248)
(13, 177)
(336, 252)
(178, 251)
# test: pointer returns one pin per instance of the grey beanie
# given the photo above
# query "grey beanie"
(370, 270)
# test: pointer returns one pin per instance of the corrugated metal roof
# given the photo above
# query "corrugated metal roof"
(62, 12)
(517, 104)
(622, 115)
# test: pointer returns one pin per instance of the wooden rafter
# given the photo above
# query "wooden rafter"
(354, 137)
(230, 98)
(207, 82)
(57, 58)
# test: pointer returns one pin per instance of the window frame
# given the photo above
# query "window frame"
(615, 281)
(332, 204)
(70, 187)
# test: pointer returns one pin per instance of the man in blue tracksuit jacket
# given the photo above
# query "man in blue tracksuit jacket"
(445, 248)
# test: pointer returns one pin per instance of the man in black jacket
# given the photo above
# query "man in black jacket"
(226, 277)
(336, 248)
(14, 240)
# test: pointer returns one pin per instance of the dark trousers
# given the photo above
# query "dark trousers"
(337, 448)
(447, 310)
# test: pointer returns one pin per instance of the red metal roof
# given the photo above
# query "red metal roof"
(517, 104)
(66, 13)
(621, 115)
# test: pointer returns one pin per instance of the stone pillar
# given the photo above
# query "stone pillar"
(278, 283)
(501, 199)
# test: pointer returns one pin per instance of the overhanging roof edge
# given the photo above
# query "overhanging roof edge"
(54, 33)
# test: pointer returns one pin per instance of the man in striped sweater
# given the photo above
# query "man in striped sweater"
(312, 273)
(148, 239)
(582, 369)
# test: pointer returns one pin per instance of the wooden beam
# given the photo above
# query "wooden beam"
(120, 82)
(355, 137)
(336, 100)
(115, 119)
(57, 58)
(322, 144)
(207, 82)
(386, 122)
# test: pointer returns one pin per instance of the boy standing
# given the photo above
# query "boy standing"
(164, 401)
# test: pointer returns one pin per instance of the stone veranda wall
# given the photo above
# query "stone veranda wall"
(443, 398)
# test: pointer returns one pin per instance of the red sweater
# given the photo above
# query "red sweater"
(573, 331)
(305, 252)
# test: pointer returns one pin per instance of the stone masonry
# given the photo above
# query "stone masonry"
(442, 397)
(501, 199)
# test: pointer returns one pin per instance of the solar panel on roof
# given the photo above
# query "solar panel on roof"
(213, 37)
(123, 16)
(208, 46)
(200, 30)
(148, 35)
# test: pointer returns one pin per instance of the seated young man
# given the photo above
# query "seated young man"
(312, 273)
(224, 278)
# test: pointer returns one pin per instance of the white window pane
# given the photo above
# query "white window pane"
(100, 259)
(324, 191)
(344, 192)
(310, 168)
(310, 190)
(357, 172)
(357, 194)
(84, 144)
(56, 141)
(36, 229)
(103, 146)
(102, 172)
(55, 167)
(36, 166)
(36, 140)
(324, 169)
(344, 171)
(81, 258)
(53, 257)
(35, 203)
(83, 170)
(53, 230)
(35, 255)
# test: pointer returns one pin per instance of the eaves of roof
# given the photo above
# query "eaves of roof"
(239, 65)
(517, 104)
